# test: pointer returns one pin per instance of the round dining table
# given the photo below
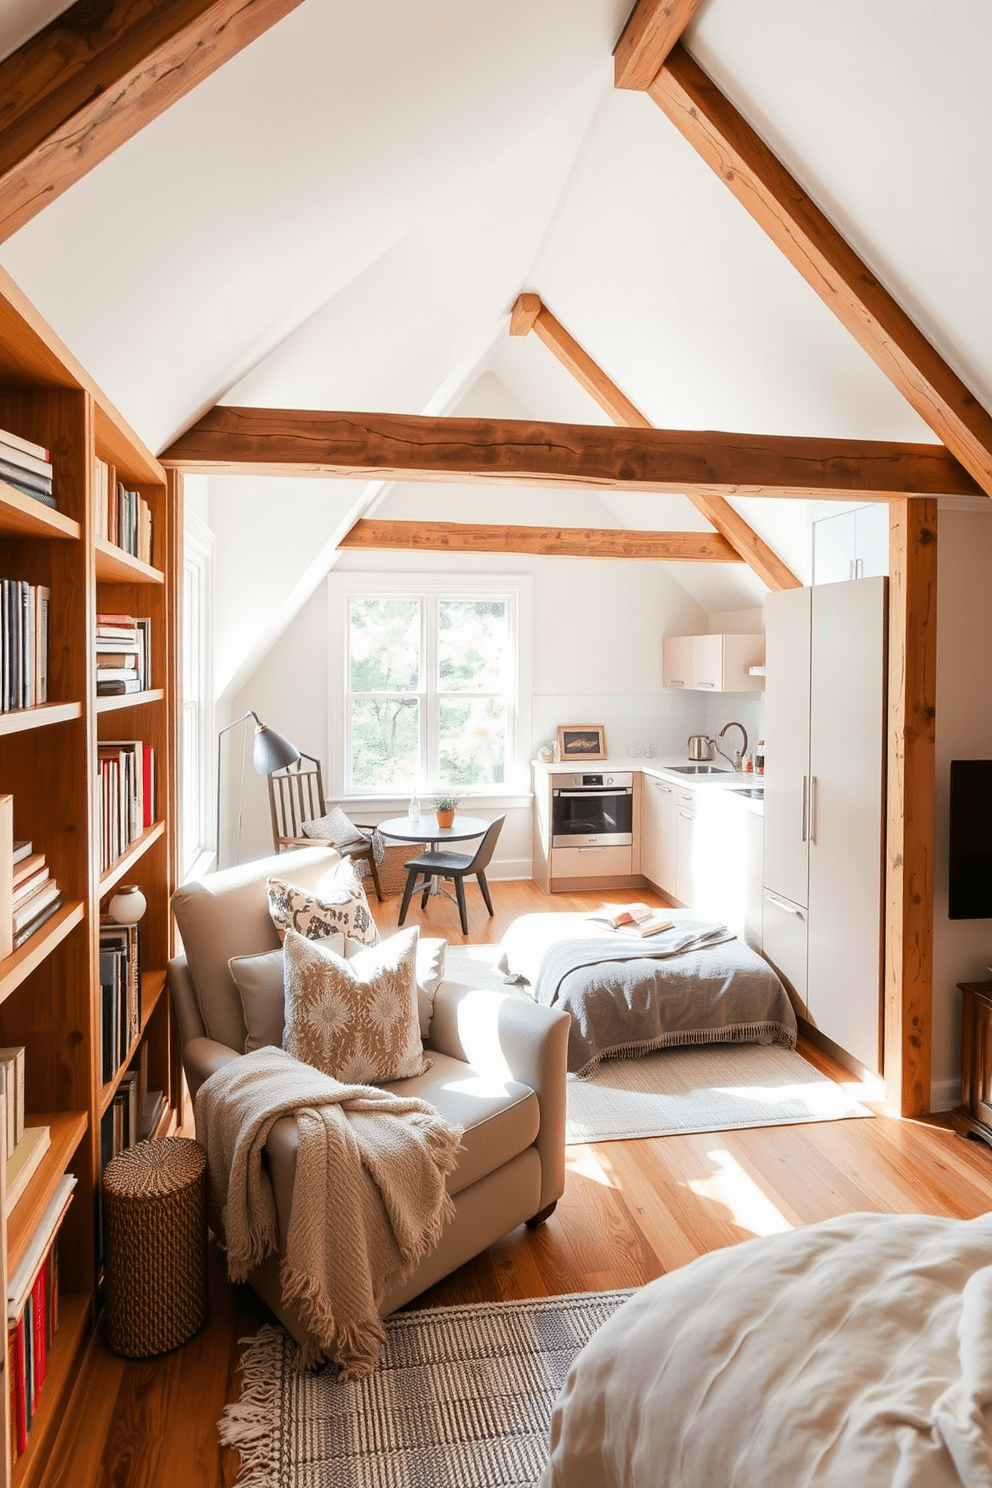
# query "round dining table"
(425, 829)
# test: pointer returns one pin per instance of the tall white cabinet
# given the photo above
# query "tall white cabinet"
(824, 805)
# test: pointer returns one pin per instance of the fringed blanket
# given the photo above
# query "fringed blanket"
(693, 984)
(369, 1199)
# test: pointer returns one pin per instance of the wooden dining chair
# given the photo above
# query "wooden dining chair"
(296, 795)
(454, 865)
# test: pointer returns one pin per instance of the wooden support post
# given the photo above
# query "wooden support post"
(910, 827)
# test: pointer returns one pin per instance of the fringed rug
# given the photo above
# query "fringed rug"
(461, 1396)
(701, 1088)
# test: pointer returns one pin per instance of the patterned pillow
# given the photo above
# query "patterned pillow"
(431, 953)
(336, 828)
(355, 1020)
(341, 905)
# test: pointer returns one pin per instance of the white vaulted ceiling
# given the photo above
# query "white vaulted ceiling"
(342, 216)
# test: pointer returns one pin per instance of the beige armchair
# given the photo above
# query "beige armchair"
(498, 1071)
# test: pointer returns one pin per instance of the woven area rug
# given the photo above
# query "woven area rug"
(701, 1088)
(461, 1396)
(696, 1088)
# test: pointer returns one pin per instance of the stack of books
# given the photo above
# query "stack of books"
(637, 920)
(23, 644)
(123, 654)
(123, 517)
(35, 894)
(25, 1146)
(32, 1317)
(26, 466)
(127, 795)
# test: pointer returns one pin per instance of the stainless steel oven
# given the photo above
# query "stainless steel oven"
(592, 810)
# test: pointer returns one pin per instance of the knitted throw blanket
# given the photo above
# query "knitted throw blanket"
(368, 1203)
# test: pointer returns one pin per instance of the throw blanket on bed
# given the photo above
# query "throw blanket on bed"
(856, 1353)
(368, 1202)
(693, 984)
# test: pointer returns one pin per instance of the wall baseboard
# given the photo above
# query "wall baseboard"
(945, 1094)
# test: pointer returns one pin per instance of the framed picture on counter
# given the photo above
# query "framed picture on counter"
(582, 741)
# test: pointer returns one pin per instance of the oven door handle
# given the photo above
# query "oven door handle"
(594, 791)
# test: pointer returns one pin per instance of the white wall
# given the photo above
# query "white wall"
(597, 634)
(962, 949)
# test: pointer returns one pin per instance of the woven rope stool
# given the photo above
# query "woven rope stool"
(155, 1246)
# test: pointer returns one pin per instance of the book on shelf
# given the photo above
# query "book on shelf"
(9, 860)
(45, 913)
(32, 1317)
(24, 458)
(122, 516)
(123, 653)
(24, 914)
(24, 446)
(22, 850)
(25, 887)
(113, 673)
(127, 781)
(27, 863)
(152, 1111)
(12, 1063)
(123, 941)
(23, 477)
(119, 688)
(637, 920)
(24, 1161)
(24, 611)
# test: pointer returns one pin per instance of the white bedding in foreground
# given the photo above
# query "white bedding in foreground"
(855, 1353)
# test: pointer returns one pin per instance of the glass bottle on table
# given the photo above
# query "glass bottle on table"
(413, 810)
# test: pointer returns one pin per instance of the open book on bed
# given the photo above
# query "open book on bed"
(637, 920)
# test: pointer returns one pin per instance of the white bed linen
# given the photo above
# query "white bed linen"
(855, 1353)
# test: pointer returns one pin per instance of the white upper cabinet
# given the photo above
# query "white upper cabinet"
(851, 544)
(713, 663)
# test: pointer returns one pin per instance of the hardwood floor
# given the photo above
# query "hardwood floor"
(631, 1211)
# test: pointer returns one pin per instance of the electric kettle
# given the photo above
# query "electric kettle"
(700, 747)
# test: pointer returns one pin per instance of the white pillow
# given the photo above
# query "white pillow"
(356, 1020)
(431, 954)
(341, 906)
(336, 828)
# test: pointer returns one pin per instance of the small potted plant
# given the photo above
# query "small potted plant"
(445, 808)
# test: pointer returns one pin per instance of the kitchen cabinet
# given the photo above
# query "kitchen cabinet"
(713, 663)
(659, 825)
(851, 544)
(824, 747)
(685, 872)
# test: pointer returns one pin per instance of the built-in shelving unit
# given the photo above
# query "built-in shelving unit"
(50, 999)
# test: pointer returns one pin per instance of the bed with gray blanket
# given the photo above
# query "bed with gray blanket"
(694, 984)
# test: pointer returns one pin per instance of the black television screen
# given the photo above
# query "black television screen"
(969, 889)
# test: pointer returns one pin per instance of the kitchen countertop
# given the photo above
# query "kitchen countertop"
(661, 767)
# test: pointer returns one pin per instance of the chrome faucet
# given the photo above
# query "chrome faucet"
(738, 754)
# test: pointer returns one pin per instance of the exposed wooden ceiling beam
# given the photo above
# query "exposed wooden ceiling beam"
(774, 198)
(531, 314)
(554, 542)
(652, 29)
(400, 446)
(96, 75)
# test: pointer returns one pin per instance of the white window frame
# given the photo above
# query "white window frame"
(516, 589)
(198, 765)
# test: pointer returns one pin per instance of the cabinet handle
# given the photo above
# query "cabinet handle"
(812, 809)
(792, 909)
(707, 684)
(688, 815)
(666, 788)
(805, 818)
(859, 568)
(592, 849)
(676, 681)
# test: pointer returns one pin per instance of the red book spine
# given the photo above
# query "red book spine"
(38, 1320)
(12, 1390)
(148, 785)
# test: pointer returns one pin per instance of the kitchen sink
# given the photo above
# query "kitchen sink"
(700, 770)
(757, 793)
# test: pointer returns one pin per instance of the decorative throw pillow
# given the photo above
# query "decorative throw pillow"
(355, 1020)
(340, 905)
(430, 973)
(259, 980)
(336, 828)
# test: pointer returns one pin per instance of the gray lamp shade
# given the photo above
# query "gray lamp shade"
(271, 751)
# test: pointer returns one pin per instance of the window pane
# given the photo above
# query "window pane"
(385, 742)
(384, 645)
(473, 741)
(472, 645)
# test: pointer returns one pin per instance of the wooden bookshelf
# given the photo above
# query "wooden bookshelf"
(50, 998)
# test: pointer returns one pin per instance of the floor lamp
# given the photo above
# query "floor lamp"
(270, 752)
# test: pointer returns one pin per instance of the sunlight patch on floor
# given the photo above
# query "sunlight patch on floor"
(584, 1163)
(731, 1186)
